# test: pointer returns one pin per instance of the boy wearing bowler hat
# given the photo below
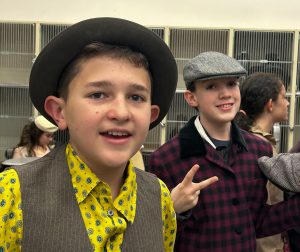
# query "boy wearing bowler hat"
(107, 81)
(221, 201)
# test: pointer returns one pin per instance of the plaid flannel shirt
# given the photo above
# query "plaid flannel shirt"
(231, 213)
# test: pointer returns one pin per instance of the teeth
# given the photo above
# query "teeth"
(114, 133)
(226, 105)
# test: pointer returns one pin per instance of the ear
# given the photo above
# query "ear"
(191, 99)
(54, 106)
(269, 105)
(154, 113)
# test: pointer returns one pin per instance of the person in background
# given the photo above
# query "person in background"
(227, 215)
(264, 103)
(36, 139)
(108, 81)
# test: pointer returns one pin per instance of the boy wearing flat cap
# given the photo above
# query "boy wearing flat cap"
(103, 79)
(231, 211)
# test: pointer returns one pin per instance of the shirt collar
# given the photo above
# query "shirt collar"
(128, 191)
(267, 135)
(84, 181)
(202, 132)
(192, 143)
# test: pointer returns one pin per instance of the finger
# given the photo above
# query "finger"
(188, 179)
(205, 183)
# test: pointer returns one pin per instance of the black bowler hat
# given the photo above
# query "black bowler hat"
(53, 59)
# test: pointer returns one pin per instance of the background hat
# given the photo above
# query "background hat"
(51, 62)
(43, 124)
(211, 65)
(283, 170)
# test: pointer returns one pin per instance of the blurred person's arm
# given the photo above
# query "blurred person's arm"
(18, 153)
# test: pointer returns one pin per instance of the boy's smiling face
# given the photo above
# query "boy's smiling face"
(217, 100)
(108, 111)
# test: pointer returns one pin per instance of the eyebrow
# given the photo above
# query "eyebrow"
(139, 87)
(108, 84)
(99, 84)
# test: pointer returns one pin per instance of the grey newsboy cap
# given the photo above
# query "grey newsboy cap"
(211, 65)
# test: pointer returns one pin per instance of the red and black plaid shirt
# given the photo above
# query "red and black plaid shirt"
(233, 211)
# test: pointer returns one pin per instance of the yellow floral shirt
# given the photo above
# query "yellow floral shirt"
(105, 220)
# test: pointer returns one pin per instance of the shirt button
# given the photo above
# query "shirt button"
(110, 213)
(238, 230)
(235, 201)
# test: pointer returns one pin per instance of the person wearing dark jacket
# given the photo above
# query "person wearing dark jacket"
(221, 201)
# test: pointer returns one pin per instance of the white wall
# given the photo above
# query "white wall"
(265, 14)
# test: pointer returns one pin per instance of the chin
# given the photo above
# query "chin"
(227, 120)
(118, 161)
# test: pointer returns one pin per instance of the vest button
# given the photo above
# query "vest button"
(110, 213)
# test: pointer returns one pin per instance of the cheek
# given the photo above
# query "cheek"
(77, 117)
(43, 139)
(85, 124)
(143, 119)
(238, 97)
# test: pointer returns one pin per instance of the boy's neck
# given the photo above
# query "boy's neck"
(217, 131)
(114, 179)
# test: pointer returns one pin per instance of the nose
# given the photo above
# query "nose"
(119, 110)
(224, 92)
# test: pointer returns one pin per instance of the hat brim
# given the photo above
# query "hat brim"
(53, 59)
(219, 76)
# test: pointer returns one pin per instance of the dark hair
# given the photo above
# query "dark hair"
(256, 90)
(30, 138)
(191, 87)
(99, 49)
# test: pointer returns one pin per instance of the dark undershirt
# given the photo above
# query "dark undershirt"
(221, 146)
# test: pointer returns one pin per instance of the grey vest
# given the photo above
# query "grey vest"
(52, 220)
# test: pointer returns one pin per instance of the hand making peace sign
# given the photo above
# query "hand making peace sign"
(186, 194)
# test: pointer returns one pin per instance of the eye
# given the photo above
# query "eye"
(137, 98)
(210, 86)
(97, 95)
(233, 83)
